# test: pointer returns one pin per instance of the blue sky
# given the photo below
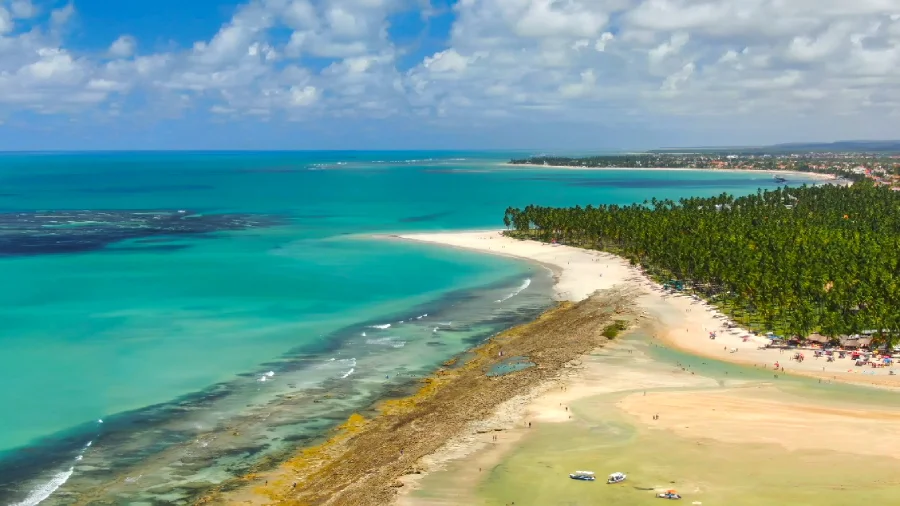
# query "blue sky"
(471, 74)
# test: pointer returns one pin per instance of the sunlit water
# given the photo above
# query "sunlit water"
(152, 368)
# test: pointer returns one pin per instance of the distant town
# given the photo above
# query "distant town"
(882, 168)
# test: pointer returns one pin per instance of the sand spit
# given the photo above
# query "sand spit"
(755, 416)
(361, 465)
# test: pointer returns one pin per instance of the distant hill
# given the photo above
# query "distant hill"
(797, 147)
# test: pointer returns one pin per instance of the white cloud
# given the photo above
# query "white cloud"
(661, 61)
(446, 61)
(604, 39)
(305, 96)
(61, 16)
(674, 81)
(6, 22)
(23, 9)
(671, 47)
(123, 47)
(581, 88)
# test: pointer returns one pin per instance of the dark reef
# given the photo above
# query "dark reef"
(55, 232)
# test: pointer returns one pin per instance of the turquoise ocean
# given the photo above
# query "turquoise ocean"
(171, 320)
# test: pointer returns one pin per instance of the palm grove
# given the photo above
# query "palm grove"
(793, 260)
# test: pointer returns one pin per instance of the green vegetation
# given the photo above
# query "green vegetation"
(612, 330)
(793, 260)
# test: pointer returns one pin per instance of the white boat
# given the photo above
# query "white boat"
(616, 478)
(668, 494)
(583, 475)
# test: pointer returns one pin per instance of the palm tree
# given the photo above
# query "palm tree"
(796, 260)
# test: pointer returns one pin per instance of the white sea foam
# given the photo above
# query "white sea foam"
(386, 341)
(364, 334)
(525, 284)
(352, 363)
(270, 373)
(45, 490)
(382, 327)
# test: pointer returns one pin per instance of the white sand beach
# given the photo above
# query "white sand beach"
(686, 321)
(783, 173)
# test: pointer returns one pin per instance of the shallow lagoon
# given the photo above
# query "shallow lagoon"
(706, 470)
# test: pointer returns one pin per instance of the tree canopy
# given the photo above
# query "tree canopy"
(794, 260)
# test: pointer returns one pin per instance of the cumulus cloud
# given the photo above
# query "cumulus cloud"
(6, 22)
(23, 9)
(123, 47)
(535, 60)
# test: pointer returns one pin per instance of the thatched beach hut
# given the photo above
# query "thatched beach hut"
(819, 338)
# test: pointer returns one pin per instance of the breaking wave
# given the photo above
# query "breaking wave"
(386, 341)
(45, 490)
(525, 284)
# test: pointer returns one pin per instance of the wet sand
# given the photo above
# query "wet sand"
(718, 442)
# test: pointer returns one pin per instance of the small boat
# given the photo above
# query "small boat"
(616, 478)
(779, 179)
(669, 494)
(583, 475)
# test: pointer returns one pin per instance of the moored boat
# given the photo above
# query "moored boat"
(669, 494)
(583, 475)
(616, 478)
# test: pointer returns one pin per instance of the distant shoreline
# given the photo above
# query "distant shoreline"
(813, 175)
